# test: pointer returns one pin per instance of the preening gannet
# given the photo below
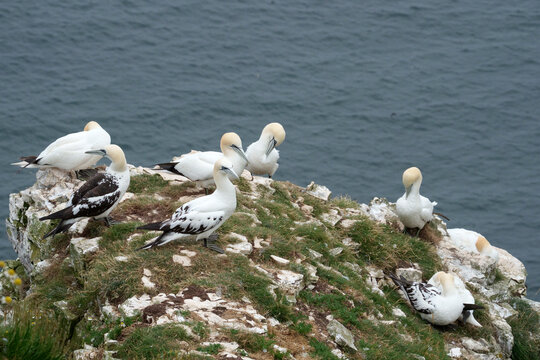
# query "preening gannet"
(97, 197)
(200, 217)
(439, 307)
(262, 154)
(413, 209)
(472, 241)
(465, 295)
(199, 166)
(70, 152)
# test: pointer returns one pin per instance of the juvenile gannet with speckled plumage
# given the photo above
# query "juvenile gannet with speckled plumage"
(439, 307)
(465, 295)
(199, 166)
(413, 209)
(70, 152)
(262, 154)
(473, 242)
(98, 196)
(200, 217)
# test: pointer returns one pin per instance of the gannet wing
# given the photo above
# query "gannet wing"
(198, 166)
(420, 295)
(186, 220)
(95, 197)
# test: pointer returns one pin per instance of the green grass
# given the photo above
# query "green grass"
(161, 341)
(210, 349)
(31, 336)
(525, 325)
(146, 184)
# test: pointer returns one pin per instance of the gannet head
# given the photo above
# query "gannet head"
(224, 167)
(115, 154)
(447, 283)
(91, 126)
(274, 134)
(233, 142)
(484, 247)
(411, 176)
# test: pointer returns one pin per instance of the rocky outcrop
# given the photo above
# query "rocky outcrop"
(287, 274)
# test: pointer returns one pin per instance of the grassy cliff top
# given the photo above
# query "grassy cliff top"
(291, 271)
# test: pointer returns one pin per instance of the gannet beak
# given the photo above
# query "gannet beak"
(240, 152)
(271, 145)
(232, 172)
(407, 192)
(97, 152)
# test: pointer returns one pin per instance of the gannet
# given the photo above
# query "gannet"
(473, 242)
(98, 196)
(465, 295)
(199, 166)
(200, 217)
(439, 307)
(70, 152)
(262, 154)
(413, 209)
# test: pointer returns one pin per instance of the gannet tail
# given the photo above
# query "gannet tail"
(61, 227)
(170, 167)
(27, 161)
(159, 241)
(472, 307)
(441, 215)
(151, 226)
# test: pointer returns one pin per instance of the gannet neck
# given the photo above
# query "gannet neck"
(118, 159)
(224, 186)
(91, 126)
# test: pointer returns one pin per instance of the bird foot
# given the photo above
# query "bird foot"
(110, 221)
(210, 243)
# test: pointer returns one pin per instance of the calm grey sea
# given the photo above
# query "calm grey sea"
(364, 89)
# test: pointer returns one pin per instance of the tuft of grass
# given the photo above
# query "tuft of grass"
(381, 246)
(302, 328)
(210, 349)
(252, 342)
(146, 184)
(162, 341)
(344, 202)
(31, 336)
(321, 350)
(525, 328)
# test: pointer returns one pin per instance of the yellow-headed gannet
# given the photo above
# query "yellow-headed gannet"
(472, 241)
(413, 209)
(200, 217)
(439, 307)
(465, 295)
(98, 196)
(70, 152)
(262, 154)
(199, 166)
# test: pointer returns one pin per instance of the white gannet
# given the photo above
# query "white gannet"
(199, 167)
(474, 242)
(465, 295)
(98, 196)
(439, 307)
(70, 152)
(413, 209)
(262, 154)
(200, 217)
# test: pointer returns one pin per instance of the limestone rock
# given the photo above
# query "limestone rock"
(341, 335)
(279, 260)
(410, 274)
(319, 191)
(81, 250)
(332, 217)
